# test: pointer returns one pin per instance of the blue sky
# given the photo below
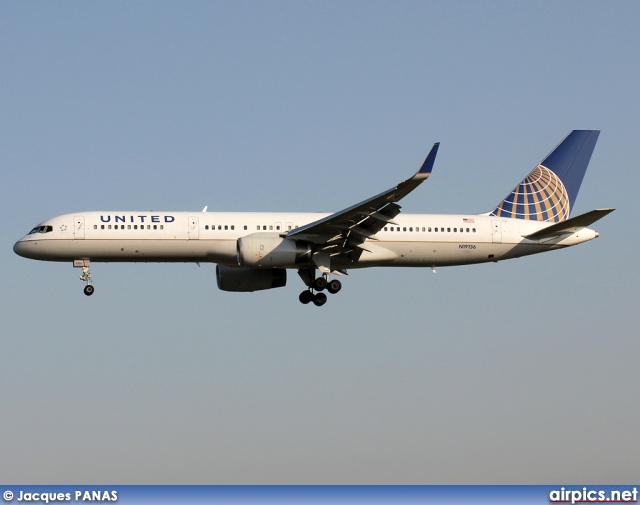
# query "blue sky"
(517, 372)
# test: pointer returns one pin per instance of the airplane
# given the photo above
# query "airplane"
(254, 250)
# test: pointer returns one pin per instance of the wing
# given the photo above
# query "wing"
(345, 231)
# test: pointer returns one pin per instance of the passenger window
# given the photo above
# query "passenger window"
(474, 230)
(411, 229)
(162, 227)
(155, 226)
(206, 226)
(226, 226)
(245, 226)
(448, 229)
(233, 227)
(102, 227)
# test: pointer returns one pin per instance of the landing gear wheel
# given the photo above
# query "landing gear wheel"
(320, 284)
(334, 286)
(86, 275)
(305, 297)
(320, 299)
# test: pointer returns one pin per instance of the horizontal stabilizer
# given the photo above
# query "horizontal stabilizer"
(571, 225)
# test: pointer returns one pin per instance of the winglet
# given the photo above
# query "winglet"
(427, 166)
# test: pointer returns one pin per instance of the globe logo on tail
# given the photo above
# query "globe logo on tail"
(541, 196)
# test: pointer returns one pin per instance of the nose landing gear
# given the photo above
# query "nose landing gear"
(86, 275)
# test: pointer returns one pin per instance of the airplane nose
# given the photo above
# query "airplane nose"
(20, 248)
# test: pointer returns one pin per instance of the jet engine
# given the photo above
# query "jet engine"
(249, 279)
(270, 250)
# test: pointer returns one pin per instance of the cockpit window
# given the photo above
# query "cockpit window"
(41, 229)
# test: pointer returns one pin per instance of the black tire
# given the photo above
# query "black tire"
(334, 286)
(305, 297)
(320, 299)
(320, 284)
(89, 289)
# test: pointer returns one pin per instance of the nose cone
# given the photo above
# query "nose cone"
(21, 248)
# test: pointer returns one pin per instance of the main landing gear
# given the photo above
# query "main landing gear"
(86, 275)
(316, 287)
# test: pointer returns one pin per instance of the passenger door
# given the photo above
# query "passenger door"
(497, 232)
(194, 228)
(78, 227)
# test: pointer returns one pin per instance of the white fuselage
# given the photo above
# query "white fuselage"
(420, 240)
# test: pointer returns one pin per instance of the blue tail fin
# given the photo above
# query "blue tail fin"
(550, 190)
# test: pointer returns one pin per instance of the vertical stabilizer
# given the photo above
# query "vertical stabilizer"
(550, 190)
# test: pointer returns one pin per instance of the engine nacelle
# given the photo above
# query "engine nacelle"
(270, 250)
(249, 279)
